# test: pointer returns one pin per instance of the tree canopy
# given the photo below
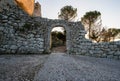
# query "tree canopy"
(107, 35)
(67, 13)
(89, 20)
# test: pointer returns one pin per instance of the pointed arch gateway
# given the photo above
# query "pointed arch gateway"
(67, 36)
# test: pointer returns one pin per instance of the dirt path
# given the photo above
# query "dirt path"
(59, 49)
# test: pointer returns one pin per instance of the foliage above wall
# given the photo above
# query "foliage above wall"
(68, 13)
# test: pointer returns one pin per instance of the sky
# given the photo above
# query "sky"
(110, 9)
(58, 29)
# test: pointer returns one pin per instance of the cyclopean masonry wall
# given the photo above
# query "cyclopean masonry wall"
(21, 34)
(104, 49)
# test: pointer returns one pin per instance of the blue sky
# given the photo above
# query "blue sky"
(109, 9)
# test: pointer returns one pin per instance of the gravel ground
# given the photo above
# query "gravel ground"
(62, 67)
(58, 67)
(20, 67)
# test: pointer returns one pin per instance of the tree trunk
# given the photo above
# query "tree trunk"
(89, 30)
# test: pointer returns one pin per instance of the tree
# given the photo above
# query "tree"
(104, 36)
(58, 38)
(113, 32)
(61, 36)
(108, 35)
(67, 13)
(89, 20)
(54, 36)
(95, 36)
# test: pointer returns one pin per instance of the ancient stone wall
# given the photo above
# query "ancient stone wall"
(84, 46)
(6, 4)
(20, 33)
(23, 34)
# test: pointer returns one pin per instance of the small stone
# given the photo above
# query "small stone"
(15, 24)
(13, 47)
(9, 22)
(1, 28)
(5, 17)
(4, 21)
(30, 35)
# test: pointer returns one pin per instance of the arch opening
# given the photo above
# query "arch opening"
(58, 40)
(48, 40)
